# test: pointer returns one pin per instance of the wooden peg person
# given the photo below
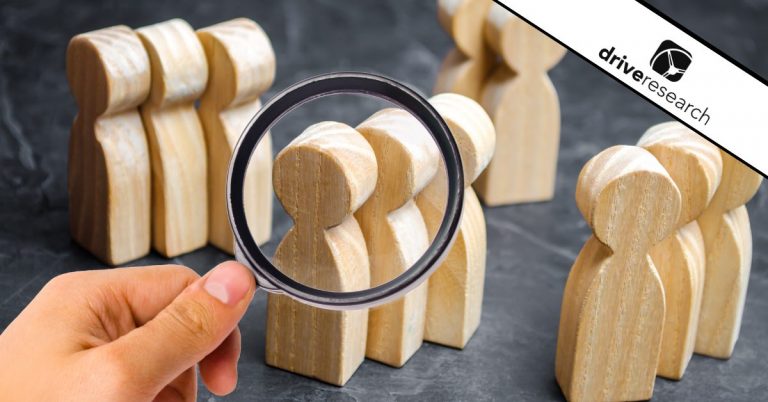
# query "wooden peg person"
(176, 140)
(613, 305)
(525, 110)
(462, 75)
(394, 229)
(321, 178)
(455, 295)
(522, 47)
(241, 63)
(464, 21)
(728, 239)
(466, 67)
(695, 166)
(109, 171)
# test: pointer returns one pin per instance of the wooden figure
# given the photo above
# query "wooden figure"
(176, 140)
(728, 240)
(695, 166)
(321, 178)
(241, 63)
(523, 104)
(394, 229)
(464, 21)
(109, 170)
(467, 66)
(613, 305)
(455, 295)
(463, 75)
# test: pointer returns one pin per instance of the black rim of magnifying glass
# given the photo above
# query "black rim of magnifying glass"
(308, 90)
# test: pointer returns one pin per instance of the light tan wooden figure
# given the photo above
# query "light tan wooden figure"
(463, 75)
(525, 109)
(109, 170)
(321, 178)
(728, 239)
(241, 66)
(466, 67)
(613, 306)
(464, 21)
(176, 140)
(696, 167)
(455, 296)
(394, 229)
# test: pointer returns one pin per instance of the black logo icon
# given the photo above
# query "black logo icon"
(671, 60)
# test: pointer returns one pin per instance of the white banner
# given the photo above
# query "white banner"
(665, 65)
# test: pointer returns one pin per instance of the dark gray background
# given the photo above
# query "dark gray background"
(531, 247)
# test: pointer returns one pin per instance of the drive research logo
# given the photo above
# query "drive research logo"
(671, 61)
(669, 64)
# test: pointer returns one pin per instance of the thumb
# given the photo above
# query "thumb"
(188, 329)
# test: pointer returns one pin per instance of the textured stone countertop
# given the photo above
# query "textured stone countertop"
(530, 247)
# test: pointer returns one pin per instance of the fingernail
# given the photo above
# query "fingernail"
(227, 283)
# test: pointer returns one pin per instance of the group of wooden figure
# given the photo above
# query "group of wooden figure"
(502, 62)
(665, 272)
(147, 168)
(366, 203)
(663, 276)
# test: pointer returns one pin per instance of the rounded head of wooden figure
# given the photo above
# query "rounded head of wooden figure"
(738, 185)
(522, 47)
(464, 21)
(693, 163)
(108, 70)
(324, 174)
(241, 59)
(406, 153)
(628, 199)
(177, 59)
(473, 130)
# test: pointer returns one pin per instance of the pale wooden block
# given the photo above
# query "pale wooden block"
(526, 114)
(242, 66)
(522, 47)
(464, 20)
(696, 167)
(321, 178)
(394, 229)
(613, 306)
(108, 174)
(462, 75)
(176, 140)
(455, 295)
(728, 238)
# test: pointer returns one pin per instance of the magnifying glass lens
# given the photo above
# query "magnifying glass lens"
(367, 204)
(350, 194)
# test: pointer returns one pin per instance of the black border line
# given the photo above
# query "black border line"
(685, 30)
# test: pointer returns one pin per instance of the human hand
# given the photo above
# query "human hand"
(128, 334)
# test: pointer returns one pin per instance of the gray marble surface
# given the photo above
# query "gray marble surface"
(530, 247)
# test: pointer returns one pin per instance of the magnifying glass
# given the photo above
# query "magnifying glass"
(269, 276)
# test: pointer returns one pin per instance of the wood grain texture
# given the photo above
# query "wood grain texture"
(321, 178)
(394, 229)
(696, 167)
(176, 140)
(241, 66)
(728, 239)
(109, 169)
(464, 20)
(455, 295)
(613, 306)
(526, 114)
(523, 48)
(462, 75)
